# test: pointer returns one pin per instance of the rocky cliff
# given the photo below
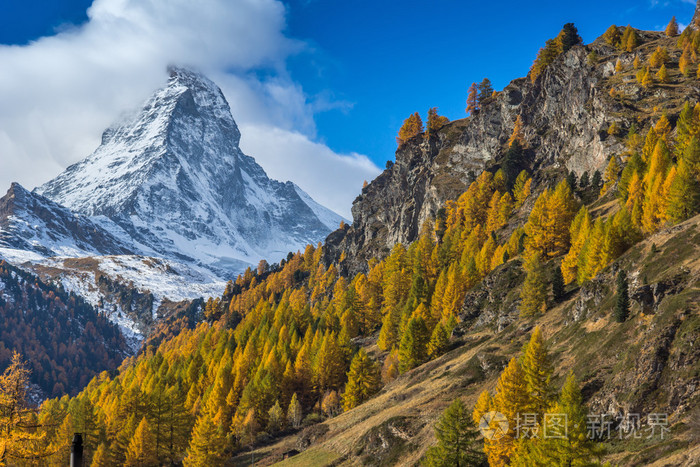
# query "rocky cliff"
(566, 113)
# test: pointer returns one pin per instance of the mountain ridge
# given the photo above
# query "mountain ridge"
(174, 179)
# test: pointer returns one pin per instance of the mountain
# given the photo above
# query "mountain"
(566, 115)
(33, 225)
(539, 258)
(173, 182)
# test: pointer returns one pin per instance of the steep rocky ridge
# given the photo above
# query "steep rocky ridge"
(566, 113)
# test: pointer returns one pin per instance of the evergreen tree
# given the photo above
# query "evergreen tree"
(571, 180)
(597, 179)
(557, 285)
(622, 303)
(413, 347)
(569, 37)
(583, 183)
(485, 91)
(456, 437)
(364, 380)
(533, 294)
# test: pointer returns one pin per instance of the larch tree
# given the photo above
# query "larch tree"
(18, 437)
(141, 451)
(572, 446)
(439, 341)
(684, 194)
(412, 126)
(522, 188)
(511, 399)
(364, 380)
(538, 369)
(533, 294)
(484, 404)
(456, 437)
(672, 28)
(610, 176)
(413, 348)
(629, 40)
(208, 443)
(435, 122)
(472, 99)
(294, 412)
(517, 134)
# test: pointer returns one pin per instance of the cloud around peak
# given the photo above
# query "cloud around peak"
(60, 92)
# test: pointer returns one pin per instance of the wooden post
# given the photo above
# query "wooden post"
(76, 451)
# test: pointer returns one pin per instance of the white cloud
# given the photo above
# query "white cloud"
(335, 179)
(58, 93)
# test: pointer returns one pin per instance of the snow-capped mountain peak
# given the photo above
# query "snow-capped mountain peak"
(173, 179)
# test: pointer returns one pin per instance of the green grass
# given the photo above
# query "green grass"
(313, 457)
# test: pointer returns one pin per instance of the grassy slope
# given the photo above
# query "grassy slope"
(611, 360)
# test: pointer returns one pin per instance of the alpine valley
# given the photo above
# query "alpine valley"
(520, 287)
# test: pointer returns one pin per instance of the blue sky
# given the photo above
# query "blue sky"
(336, 78)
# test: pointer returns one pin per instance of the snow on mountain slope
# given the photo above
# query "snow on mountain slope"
(34, 224)
(174, 180)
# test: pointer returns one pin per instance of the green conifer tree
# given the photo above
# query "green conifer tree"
(622, 303)
(456, 437)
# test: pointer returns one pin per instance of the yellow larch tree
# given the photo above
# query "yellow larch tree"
(579, 230)
(517, 134)
(511, 399)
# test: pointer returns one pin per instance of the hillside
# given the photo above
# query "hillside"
(560, 220)
(65, 355)
(648, 364)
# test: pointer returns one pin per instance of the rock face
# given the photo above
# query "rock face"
(695, 22)
(562, 112)
(174, 181)
(32, 223)
(566, 113)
